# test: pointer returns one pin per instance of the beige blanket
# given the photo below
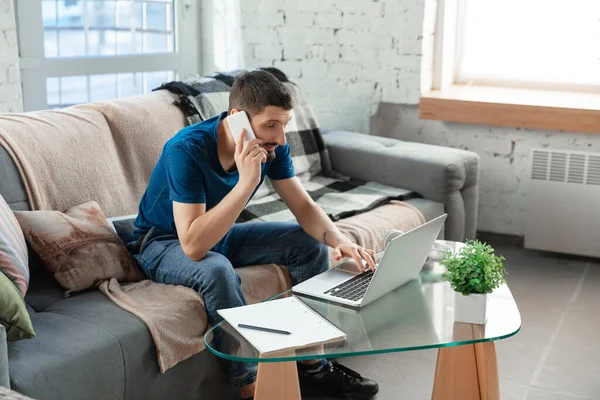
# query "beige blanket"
(369, 228)
(102, 151)
(175, 316)
(105, 151)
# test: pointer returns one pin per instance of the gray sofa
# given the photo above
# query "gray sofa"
(86, 347)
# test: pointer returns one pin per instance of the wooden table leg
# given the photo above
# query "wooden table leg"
(277, 380)
(487, 370)
(468, 372)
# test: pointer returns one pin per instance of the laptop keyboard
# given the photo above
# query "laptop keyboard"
(352, 289)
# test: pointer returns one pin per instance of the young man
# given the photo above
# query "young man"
(186, 230)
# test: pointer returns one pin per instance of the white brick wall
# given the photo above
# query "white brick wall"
(10, 79)
(350, 55)
(347, 55)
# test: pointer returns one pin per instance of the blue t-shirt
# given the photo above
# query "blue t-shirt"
(189, 171)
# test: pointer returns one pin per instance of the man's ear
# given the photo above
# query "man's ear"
(233, 111)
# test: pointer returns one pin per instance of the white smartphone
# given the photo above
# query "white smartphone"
(237, 122)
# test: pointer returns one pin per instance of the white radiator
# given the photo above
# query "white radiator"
(563, 202)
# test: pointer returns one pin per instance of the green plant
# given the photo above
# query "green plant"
(474, 269)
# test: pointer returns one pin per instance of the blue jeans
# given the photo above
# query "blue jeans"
(162, 259)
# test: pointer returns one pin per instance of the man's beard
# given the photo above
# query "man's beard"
(271, 155)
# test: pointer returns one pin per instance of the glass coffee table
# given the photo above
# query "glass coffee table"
(416, 316)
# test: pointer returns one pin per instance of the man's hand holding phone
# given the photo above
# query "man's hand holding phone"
(249, 156)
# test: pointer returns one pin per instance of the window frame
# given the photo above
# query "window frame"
(35, 67)
(528, 106)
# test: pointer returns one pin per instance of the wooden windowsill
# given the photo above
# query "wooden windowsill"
(539, 109)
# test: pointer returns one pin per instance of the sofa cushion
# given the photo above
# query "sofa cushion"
(14, 259)
(78, 246)
(141, 374)
(14, 276)
(68, 359)
(13, 313)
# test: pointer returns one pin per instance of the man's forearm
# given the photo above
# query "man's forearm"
(317, 224)
(209, 228)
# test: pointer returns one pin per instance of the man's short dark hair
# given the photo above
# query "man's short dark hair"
(253, 91)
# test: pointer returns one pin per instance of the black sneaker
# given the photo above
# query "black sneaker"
(338, 381)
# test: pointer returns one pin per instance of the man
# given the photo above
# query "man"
(186, 230)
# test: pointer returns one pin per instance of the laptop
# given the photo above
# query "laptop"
(402, 262)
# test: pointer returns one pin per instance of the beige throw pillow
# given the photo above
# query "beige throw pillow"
(78, 246)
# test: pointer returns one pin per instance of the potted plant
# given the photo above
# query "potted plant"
(473, 272)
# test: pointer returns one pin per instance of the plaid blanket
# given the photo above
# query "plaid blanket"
(340, 197)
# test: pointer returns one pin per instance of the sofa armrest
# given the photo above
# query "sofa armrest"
(4, 378)
(443, 174)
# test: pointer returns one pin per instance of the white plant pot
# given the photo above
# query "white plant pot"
(470, 309)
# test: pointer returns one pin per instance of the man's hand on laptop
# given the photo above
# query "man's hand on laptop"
(364, 258)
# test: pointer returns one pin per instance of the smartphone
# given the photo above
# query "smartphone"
(237, 122)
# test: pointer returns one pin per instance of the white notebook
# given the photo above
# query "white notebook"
(289, 314)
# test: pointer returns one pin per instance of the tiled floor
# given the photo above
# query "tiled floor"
(555, 356)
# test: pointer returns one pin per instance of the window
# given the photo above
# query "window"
(536, 43)
(74, 51)
(492, 56)
(66, 91)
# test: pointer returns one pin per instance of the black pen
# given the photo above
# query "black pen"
(259, 328)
